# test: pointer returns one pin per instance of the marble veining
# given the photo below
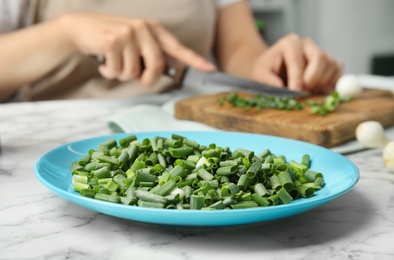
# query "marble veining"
(37, 224)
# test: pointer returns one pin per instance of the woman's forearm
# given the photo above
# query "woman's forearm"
(28, 54)
(292, 61)
(238, 42)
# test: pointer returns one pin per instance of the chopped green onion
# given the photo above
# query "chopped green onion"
(179, 173)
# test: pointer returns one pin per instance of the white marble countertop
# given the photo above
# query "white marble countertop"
(37, 224)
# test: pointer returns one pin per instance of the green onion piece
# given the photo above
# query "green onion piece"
(266, 167)
(246, 196)
(226, 170)
(320, 181)
(297, 166)
(104, 181)
(196, 201)
(279, 160)
(185, 164)
(178, 171)
(286, 181)
(166, 188)
(145, 144)
(102, 149)
(152, 159)
(147, 184)
(148, 196)
(306, 160)
(181, 152)
(78, 186)
(312, 175)
(230, 163)
(284, 196)
(137, 165)
(191, 143)
(281, 168)
(102, 173)
(173, 198)
(84, 160)
(194, 158)
(81, 173)
(162, 160)
(129, 197)
(173, 143)
(203, 189)
(246, 162)
(75, 166)
(213, 160)
(313, 185)
(210, 153)
(269, 159)
(274, 200)
(143, 177)
(260, 190)
(305, 191)
(132, 150)
(264, 154)
(103, 191)
(229, 189)
(243, 182)
(262, 201)
(79, 178)
(182, 184)
(123, 158)
(332, 101)
(88, 193)
(150, 204)
(106, 197)
(153, 143)
(253, 170)
(244, 205)
(125, 142)
(229, 201)
(191, 176)
(109, 143)
(111, 186)
(208, 199)
(275, 182)
(114, 152)
(159, 169)
(217, 205)
(177, 137)
(204, 174)
(246, 153)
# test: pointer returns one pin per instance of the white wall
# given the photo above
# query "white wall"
(351, 30)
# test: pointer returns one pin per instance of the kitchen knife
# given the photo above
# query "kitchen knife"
(184, 76)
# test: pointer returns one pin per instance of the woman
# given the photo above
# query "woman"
(50, 58)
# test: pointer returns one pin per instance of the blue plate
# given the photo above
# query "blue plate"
(53, 170)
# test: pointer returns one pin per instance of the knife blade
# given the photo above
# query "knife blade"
(184, 75)
(207, 79)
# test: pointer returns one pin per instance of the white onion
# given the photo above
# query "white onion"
(348, 86)
(388, 155)
(202, 161)
(371, 134)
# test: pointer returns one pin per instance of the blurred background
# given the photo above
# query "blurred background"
(360, 33)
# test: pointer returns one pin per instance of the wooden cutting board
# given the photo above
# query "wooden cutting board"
(328, 131)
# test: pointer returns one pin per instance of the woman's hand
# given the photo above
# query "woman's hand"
(124, 42)
(298, 63)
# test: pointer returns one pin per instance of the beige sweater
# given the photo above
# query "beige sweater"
(193, 22)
